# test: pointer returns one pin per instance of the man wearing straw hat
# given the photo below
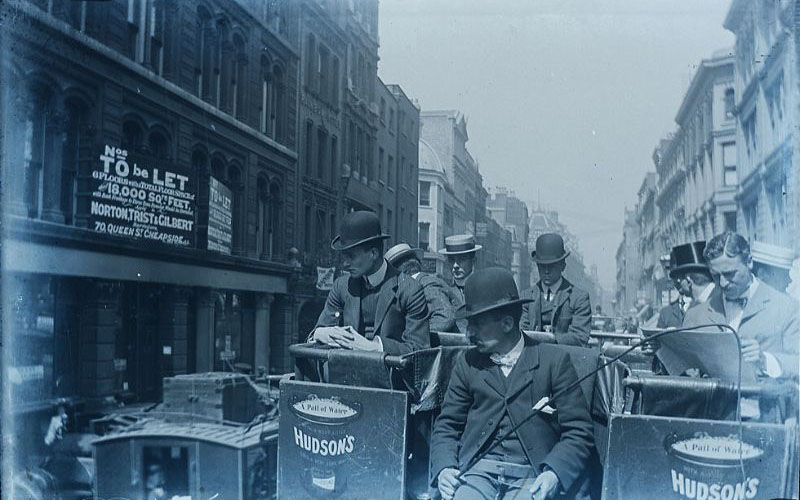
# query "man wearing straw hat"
(493, 386)
(556, 305)
(375, 308)
(460, 250)
(409, 260)
(771, 264)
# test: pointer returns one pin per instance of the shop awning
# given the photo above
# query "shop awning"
(29, 257)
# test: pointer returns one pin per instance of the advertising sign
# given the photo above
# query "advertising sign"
(675, 458)
(139, 200)
(341, 442)
(220, 217)
(325, 277)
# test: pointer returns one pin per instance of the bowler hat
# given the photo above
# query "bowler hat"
(489, 289)
(687, 258)
(549, 249)
(356, 229)
(772, 255)
(459, 244)
(402, 251)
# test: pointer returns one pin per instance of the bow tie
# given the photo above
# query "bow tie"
(741, 302)
(503, 360)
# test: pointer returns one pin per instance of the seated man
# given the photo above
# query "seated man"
(557, 306)
(495, 385)
(375, 308)
(409, 260)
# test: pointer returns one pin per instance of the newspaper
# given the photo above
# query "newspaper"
(715, 354)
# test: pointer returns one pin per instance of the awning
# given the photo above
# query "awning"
(29, 257)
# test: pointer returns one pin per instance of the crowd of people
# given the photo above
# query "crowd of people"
(387, 303)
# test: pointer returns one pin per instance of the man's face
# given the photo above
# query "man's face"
(732, 274)
(462, 265)
(551, 273)
(487, 332)
(359, 261)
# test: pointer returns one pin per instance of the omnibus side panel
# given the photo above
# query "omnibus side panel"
(341, 442)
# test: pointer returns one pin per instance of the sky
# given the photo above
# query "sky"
(565, 99)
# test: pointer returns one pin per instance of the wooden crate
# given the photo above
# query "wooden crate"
(213, 396)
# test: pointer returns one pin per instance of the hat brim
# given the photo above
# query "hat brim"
(464, 314)
(444, 251)
(687, 268)
(549, 261)
(338, 247)
(411, 252)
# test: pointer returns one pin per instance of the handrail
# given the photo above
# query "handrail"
(614, 335)
(637, 382)
(311, 350)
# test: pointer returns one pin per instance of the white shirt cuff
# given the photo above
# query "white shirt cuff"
(772, 367)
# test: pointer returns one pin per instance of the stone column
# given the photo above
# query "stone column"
(14, 160)
(173, 330)
(204, 320)
(263, 307)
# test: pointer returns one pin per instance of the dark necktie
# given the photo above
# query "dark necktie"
(549, 295)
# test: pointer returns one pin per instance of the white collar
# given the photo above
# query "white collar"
(511, 357)
(416, 274)
(376, 278)
(706, 293)
(555, 288)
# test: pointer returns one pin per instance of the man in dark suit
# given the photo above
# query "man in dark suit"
(556, 306)
(409, 260)
(494, 386)
(460, 250)
(766, 319)
(375, 308)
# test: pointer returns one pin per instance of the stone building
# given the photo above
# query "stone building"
(512, 213)
(767, 109)
(628, 266)
(149, 173)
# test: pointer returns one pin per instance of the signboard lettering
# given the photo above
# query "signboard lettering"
(142, 201)
(220, 217)
(325, 277)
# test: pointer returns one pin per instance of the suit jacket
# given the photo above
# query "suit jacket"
(670, 316)
(572, 317)
(770, 317)
(401, 316)
(477, 397)
(442, 312)
(456, 296)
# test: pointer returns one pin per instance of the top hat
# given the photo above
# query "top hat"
(459, 244)
(687, 257)
(772, 255)
(549, 249)
(489, 289)
(356, 229)
(402, 251)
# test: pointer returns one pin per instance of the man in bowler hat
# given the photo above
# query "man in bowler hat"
(375, 308)
(460, 250)
(409, 260)
(556, 305)
(493, 386)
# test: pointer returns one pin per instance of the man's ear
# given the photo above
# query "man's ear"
(749, 262)
(508, 323)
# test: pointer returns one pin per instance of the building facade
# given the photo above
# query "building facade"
(628, 266)
(766, 75)
(435, 199)
(512, 213)
(647, 214)
(149, 166)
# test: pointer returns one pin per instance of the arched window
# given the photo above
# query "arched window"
(267, 96)
(38, 126)
(156, 34)
(204, 44)
(132, 136)
(221, 64)
(278, 104)
(75, 122)
(239, 80)
(311, 58)
(158, 144)
(267, 231)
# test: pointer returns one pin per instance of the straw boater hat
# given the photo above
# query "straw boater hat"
(687, 258)
(772, 255)
(488, 289)
(549, 249)
(402, 251)
(459, 244)
(356, 229)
